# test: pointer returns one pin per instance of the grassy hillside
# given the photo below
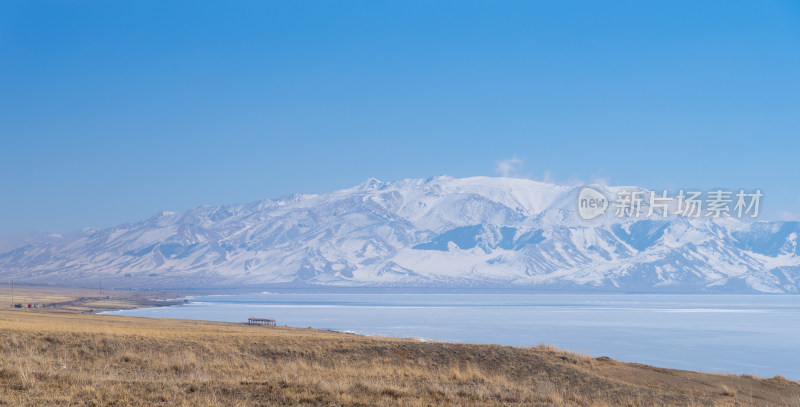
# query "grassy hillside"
(51, 358)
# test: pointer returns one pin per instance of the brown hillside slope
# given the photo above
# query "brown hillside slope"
(72, 359)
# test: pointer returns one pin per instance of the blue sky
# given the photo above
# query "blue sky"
(113, 111)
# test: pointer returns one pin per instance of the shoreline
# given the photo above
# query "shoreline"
(156, 361)
(158, 299)
(141, 304)
(537, 328)
(87, 300)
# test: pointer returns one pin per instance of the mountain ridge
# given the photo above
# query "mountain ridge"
(437, 232)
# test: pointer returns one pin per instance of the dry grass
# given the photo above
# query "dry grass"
(75, 299)
(41, 294)
(51, 358)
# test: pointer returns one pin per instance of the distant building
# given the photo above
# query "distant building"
(260, 321)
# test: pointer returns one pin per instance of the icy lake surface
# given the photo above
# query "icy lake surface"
(753, 334)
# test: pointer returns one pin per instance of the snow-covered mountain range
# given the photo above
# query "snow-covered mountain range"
(436, 232)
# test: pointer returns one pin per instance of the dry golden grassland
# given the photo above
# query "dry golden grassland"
(42, 294)
(82, 299)
(50, 358)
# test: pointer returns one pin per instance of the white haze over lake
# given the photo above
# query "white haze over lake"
(752, 334)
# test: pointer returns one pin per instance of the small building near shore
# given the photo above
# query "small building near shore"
(260, 321)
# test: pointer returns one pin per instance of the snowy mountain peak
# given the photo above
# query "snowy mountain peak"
(434, 232)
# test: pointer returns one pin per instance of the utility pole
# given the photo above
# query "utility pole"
(12, 293)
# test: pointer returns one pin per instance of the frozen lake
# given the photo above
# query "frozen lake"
(753, 334)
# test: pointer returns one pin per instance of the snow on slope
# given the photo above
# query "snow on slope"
(436, 232)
